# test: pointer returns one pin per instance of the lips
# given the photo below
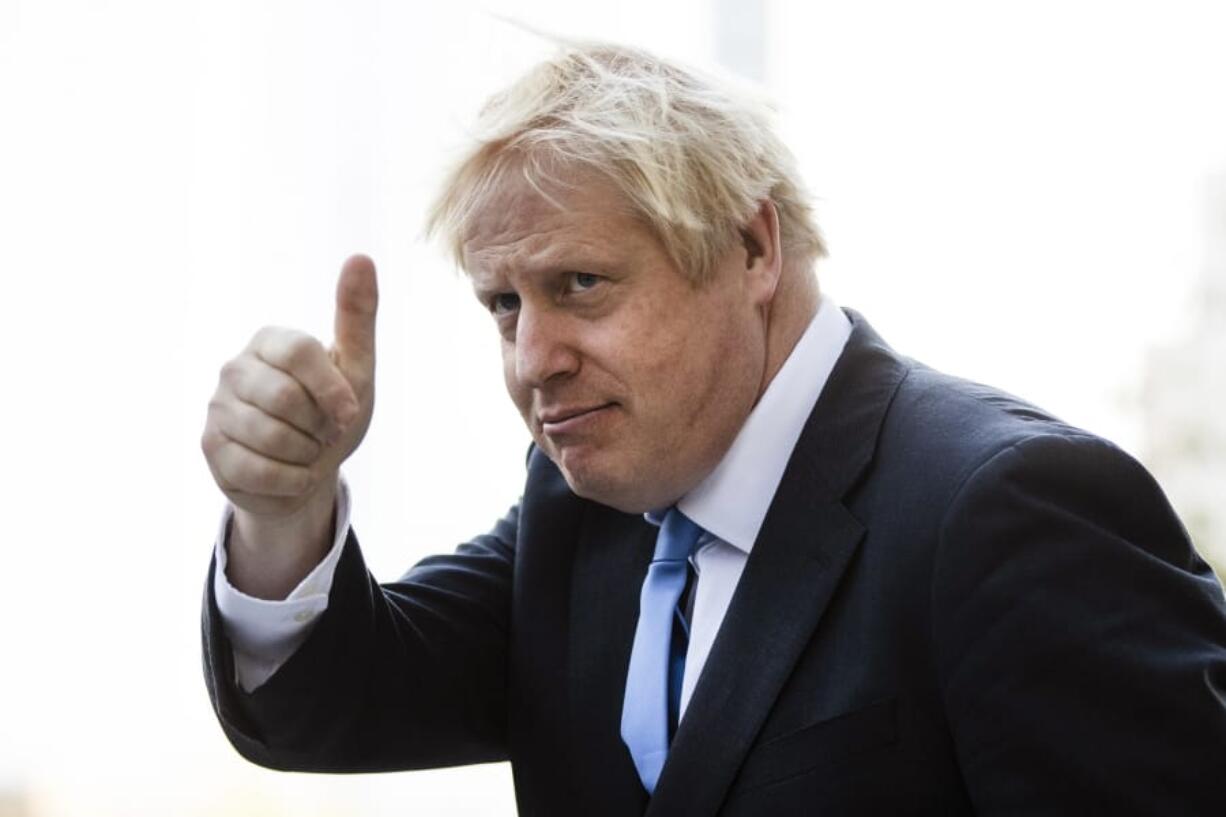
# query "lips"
(566, 419)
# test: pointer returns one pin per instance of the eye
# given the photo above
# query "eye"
(581, 281)
(503, 303)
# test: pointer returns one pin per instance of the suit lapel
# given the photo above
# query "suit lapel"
(780, 599)
(807, 541)
(609, 567)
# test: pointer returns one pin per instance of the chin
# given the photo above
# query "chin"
(602, 485)
(618, 490)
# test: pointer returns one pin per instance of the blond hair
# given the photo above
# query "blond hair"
(694, 158)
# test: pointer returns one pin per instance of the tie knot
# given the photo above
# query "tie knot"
(678, 535)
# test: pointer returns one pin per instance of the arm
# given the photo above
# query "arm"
(265, 633)
(410, 674)
(407, 675)
(286, 413)
(1081, 640)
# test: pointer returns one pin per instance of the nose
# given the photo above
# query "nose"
(544, 346)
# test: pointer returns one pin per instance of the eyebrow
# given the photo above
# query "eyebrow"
(544, 265)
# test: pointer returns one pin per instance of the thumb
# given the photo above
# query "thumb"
(357, 301)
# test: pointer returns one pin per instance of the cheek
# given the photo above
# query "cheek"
(654, 343)
(714, 367)
(694, 346)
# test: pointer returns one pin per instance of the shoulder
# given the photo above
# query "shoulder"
(996, 445)
(980, 471)
(1076, 498)
(917, 424)
(954, 431)
(957, 414)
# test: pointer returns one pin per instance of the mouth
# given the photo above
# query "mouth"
(569, 419)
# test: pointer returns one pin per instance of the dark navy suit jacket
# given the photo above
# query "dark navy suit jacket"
(957, 604)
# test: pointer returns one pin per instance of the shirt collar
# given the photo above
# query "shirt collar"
(732, 500)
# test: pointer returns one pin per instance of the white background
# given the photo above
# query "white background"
(1012, 192)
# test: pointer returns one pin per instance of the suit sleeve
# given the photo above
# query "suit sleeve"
(1081, 641)
(405, 675)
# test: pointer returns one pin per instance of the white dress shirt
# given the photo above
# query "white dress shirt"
(729, 505)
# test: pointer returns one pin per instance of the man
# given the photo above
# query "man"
(762, 564)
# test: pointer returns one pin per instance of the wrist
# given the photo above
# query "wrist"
(268, 556)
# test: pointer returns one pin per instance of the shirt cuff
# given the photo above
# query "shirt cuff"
(266, 633)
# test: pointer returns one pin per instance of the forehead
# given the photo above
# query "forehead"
(519, 228)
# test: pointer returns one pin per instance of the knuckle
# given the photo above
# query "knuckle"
(214, 444)
(284, 398)
(265, 335)
(230, 372)
(260, 341)
(225, 471)
(301, 349)
(282, 344)
(217, 406)
(208, 442)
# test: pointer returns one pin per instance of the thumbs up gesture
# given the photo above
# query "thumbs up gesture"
(286, 413)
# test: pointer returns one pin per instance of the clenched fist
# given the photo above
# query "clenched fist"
(287, 412)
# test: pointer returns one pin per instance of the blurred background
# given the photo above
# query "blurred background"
(1032, 195)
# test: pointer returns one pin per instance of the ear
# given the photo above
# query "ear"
(763, 254)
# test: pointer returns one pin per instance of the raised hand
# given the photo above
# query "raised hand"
(286, 413)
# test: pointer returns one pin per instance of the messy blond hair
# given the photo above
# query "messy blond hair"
(693, 157)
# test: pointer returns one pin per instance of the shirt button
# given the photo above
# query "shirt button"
(304, 616)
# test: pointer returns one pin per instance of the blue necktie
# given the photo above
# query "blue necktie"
(645, 725)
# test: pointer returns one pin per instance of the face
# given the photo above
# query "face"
(631, 379)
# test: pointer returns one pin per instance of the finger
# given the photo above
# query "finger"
(238, 468)
(263, 433)
(278, 394)
(357, 302)
(305, 359)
